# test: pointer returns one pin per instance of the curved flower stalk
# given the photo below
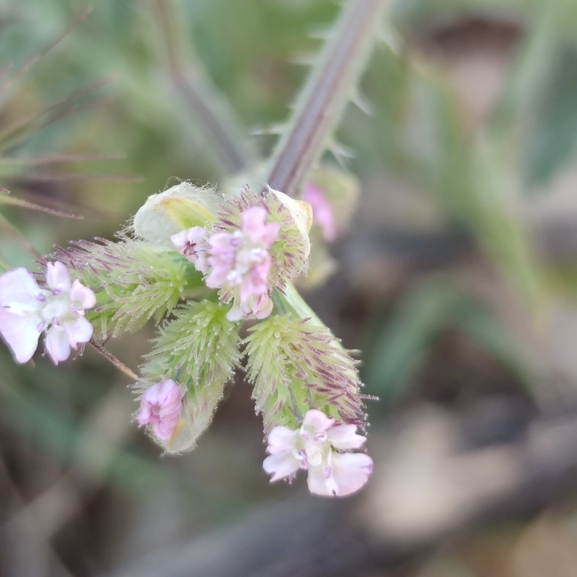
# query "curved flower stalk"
(26, 311)
(322, 447)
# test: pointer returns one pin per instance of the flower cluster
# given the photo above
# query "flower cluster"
(26, 310)
(197, 262)
(236, 253)
(319, 446)
(237, 259)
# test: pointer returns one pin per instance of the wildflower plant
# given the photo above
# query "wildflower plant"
(201, 264)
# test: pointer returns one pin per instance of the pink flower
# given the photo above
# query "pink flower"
(258, 307)
(318, 447)
(323, 214)
(241, 258)
(192, 244)
(26, 311)
(160, 407)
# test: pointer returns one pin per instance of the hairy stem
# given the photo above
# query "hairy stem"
(116, 362)
(331, 85)
(202, 102)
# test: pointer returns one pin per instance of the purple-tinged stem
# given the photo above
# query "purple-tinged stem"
(319, 108)
(117, 363)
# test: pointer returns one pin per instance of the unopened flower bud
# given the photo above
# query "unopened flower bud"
(179, 208)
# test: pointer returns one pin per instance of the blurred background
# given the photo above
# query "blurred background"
(457, 278)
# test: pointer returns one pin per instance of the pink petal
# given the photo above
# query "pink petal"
(344, 437)
(57, 344)
(161, 406)
(217, 277)
(191, 243)
(252, 220)
(263, 307)
(19, 291)
(57, 276)
(180, 240)
(79, 331)
(350, 471)
(82, 296)
(319, 483)
(145, 413)
(317, 420)
(20, 333)
(323, 214)
(222, 241)
(235, 314)
(281, 439)
(281, 465)
(169, 398)
(164, 428)
(270, 233)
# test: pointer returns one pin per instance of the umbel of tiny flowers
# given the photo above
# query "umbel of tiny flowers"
(26, 310)
(321, 447)
(258, 243)
(238, 259)
(160, 407)
(242, 258)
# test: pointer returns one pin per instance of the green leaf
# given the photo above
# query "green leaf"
(552, 142)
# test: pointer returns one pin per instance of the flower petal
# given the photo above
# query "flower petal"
(252, 220)
(323, 214)
(281, 439)
(317, 420)
(344, 474)
(281, 465)
(164, 428)
(57, 276)
(21, 333)
(82, 296)
(317, 481)
(19, 292)
(78, 331)
(263, 306)
(350, 471)
(270, 233)
(344, 437)
(161, 406)
(57, 343)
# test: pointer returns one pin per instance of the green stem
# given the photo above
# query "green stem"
(203, 102)
(291, 302)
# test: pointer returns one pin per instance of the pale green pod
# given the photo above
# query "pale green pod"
(178, 208)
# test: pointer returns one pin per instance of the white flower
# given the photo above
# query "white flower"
(26, 311)
(317, 447)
